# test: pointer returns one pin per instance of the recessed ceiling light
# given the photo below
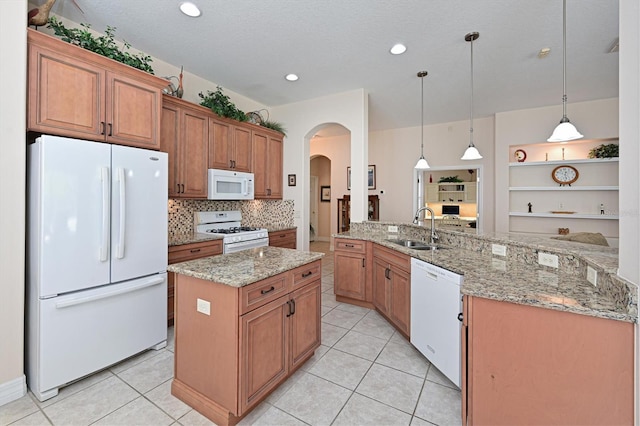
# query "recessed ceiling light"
(544, 52)
(190, 9)
(291, 77)
(398, 49)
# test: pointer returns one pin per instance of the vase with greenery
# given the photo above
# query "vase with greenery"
(102, 45)
(274, 125)
(605, 151)
(221, 104)
(450, 179)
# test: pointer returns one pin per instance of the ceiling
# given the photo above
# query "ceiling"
(247, 46)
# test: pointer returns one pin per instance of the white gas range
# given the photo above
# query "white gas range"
(227, 225)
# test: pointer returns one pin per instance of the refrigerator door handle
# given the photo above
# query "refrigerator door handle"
(123, 211)
(106, 208)
(82, 300)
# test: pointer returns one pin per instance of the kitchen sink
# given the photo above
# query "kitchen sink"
(417, 245)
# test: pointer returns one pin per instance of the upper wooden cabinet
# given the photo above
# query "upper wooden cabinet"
(76, 93)
(267, 164)
(185, 137)
(229, 146)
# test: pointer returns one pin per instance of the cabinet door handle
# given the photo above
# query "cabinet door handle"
(102, 127)
(387, 273)
(306, 274)
(289, 305)
(178, 185)
(267, 291)
(195, 250)
(182, 187)
(110, 130)
(363, 262)
(349, 245)
(293, 306)
(460, 317)
(234, 164)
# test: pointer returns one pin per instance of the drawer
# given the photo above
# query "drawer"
(307, 273)
(285, 239)
(192, 251)
(354, 246)
(257, 294)
(392, 257)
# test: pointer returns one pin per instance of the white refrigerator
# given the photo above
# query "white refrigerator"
(97, 258)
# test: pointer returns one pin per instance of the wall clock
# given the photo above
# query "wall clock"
(565, 175)
(520, 155)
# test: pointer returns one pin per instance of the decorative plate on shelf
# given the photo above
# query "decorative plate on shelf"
(520, 155)
(562, 212)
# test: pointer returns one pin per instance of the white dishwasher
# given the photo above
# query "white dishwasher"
(435, 307)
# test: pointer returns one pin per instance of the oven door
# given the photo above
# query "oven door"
(244, 245)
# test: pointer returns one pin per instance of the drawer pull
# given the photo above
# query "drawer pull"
(282, 235)
(195, 250)
(267, 291)
(306, 274)
(349, 245)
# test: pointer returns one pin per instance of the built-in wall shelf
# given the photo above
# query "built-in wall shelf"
(558, 162)
(564, 188)
(566, 216)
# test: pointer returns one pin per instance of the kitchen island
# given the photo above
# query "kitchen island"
(244, 323)
(540, 345)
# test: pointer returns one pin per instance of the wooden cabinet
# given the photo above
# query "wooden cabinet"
(267, 164)
(231, 354)
(183, 253)
(76, 93)
(351, 281)
(344, 211)
(185, 137)
(286, 239)
(230, 146)
(392, 286)
(529, 365)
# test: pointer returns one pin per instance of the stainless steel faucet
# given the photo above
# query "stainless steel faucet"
(434, 236)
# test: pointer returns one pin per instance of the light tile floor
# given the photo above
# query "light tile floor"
(365, 373)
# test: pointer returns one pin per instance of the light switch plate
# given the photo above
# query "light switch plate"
(548, 259)
(498, 249)
(392, 228)
(592, 275)
(204, 307)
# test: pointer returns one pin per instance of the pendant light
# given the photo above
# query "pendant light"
(472, 152)
(565, 131)
(422, 163)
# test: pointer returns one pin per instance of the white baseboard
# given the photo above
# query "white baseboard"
(13, 389)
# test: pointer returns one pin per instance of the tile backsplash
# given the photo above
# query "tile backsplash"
(267, 213)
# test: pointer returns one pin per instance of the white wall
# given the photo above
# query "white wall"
(13, 71)
(595, 119)
(395, 153)
(303, 120)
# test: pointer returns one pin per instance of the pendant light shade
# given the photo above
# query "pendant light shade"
(422, 162)
(565, 131)
(471, 152)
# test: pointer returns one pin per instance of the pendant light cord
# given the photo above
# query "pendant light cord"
(471, 106)
(422, 117)
(564, 60)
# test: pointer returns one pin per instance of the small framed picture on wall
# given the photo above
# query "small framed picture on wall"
(325, 193)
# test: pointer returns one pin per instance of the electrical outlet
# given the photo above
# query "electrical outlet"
(203, 307)
(392, 228)
(592, 275)
(498, 249)
(548, 259)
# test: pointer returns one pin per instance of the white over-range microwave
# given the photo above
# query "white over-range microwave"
(229, 185)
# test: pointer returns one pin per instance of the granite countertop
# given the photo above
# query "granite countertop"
(190, 237)
(514, 280)
(279, 228)
(246, 266)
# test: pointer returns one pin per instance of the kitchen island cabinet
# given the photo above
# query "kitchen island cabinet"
(183, 253)
(77, 93)
(392, 287)
(185, 137)
(529, 365)
(243, 326)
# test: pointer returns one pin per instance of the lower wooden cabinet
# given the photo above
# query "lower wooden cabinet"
(286, 239)
(350, 278)
(528, 365)
(248, 341)
(392, 286)
(182, 253)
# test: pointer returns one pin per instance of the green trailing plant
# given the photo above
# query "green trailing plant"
(605, 151)
(274, 125)
(221, 104)
(103, 45)
(450, 179)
